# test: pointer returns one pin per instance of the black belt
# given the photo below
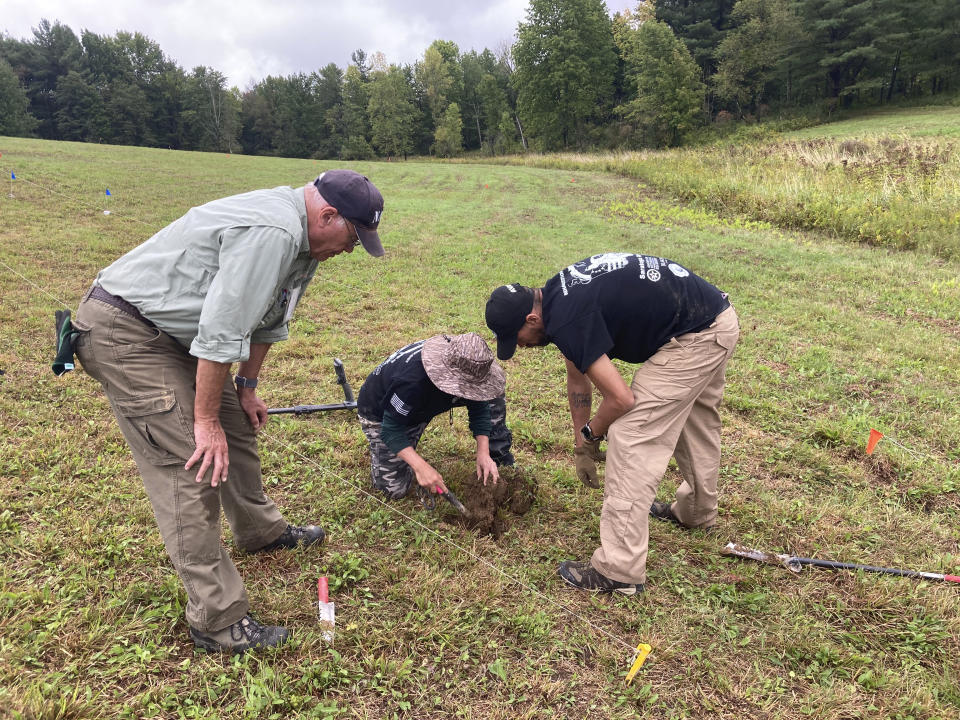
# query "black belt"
(98, 293)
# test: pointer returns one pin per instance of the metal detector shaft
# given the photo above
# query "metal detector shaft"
(342, 379)
(307, 409)
(795, 564)
(872, 568)
(349, 403)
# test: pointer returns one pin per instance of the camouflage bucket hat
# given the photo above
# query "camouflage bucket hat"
(463, 365)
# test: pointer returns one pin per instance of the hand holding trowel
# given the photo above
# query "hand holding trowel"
(326, 609)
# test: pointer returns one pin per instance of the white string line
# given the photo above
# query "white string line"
(478, 558)
(33, 284)
(531, 588)
(73, 199)
(904, 447)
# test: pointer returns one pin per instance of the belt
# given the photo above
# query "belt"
(98, 293)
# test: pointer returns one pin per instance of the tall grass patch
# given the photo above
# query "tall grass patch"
(890, 190)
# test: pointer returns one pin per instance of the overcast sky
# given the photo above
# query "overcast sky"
(247, 40)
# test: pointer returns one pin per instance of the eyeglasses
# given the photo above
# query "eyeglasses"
(356, 233)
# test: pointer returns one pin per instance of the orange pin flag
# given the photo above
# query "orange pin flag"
(875, 436)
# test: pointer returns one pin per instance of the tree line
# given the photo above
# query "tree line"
(573, 78)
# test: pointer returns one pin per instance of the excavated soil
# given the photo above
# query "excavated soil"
(489, 506)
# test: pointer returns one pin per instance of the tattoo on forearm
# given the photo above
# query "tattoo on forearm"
(579, 399)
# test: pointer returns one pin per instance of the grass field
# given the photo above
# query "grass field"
(891, 179)
(915, 122)
(434, 620)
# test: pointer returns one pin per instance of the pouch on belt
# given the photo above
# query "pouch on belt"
(66, 338)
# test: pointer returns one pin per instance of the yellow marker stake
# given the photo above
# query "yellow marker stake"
(642, 651)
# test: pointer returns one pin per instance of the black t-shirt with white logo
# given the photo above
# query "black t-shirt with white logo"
(400, 386)
(626, 306)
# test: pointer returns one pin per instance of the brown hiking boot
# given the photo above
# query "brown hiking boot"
(245, 634)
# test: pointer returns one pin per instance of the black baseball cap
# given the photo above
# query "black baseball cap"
(507, 310)
(356, 199)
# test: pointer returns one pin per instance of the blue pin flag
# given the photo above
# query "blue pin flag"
(13, 176)
(108, 191)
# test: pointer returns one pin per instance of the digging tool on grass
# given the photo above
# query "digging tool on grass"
(326, 609)
(794, 563)
(453, 500)
(349, 402)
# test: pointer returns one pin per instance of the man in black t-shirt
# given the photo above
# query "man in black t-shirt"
(639, 309)
(414, 385)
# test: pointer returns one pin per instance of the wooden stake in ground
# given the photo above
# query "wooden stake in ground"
(326, 609)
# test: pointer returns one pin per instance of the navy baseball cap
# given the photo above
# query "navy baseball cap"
(356, 199)
(507, 311)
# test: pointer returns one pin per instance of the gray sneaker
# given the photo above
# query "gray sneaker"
(583, 576)
(245, 634)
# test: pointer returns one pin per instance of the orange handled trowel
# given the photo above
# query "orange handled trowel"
(326, 609)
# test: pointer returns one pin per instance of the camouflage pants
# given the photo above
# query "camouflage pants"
(394, 478)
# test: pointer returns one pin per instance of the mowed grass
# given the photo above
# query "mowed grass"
(915, 122)
(434, 621)
(890, 180)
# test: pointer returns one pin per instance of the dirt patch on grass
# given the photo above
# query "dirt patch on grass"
(489, 506)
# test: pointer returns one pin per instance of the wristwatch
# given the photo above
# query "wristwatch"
(243, 382)
(588, 434)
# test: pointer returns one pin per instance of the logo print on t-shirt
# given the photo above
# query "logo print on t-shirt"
(678, 271)
(583, 272)
(406, 353)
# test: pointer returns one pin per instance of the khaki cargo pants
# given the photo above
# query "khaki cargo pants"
(677, 394)
(150, 380)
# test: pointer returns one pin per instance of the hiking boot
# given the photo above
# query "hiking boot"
(245, 634)
(662, 511)
(583, 576)
(294, 536)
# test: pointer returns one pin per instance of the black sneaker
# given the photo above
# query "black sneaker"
(583, 576)
(662, 511)
(295, 536)
(245, 634)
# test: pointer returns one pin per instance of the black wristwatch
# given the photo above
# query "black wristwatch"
(243, 382)
(588, 434)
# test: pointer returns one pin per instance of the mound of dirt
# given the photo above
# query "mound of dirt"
(487, 505)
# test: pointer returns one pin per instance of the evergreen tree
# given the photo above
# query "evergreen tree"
(15, 117)
(81, 114)
(565, 65)
(54, 52)
(701, 24)
(329, 93)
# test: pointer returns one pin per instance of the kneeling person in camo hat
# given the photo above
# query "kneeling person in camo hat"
(414, 385)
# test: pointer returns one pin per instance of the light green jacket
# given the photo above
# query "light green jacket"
(223, 276)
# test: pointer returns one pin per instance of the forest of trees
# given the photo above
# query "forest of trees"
(574, 78)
